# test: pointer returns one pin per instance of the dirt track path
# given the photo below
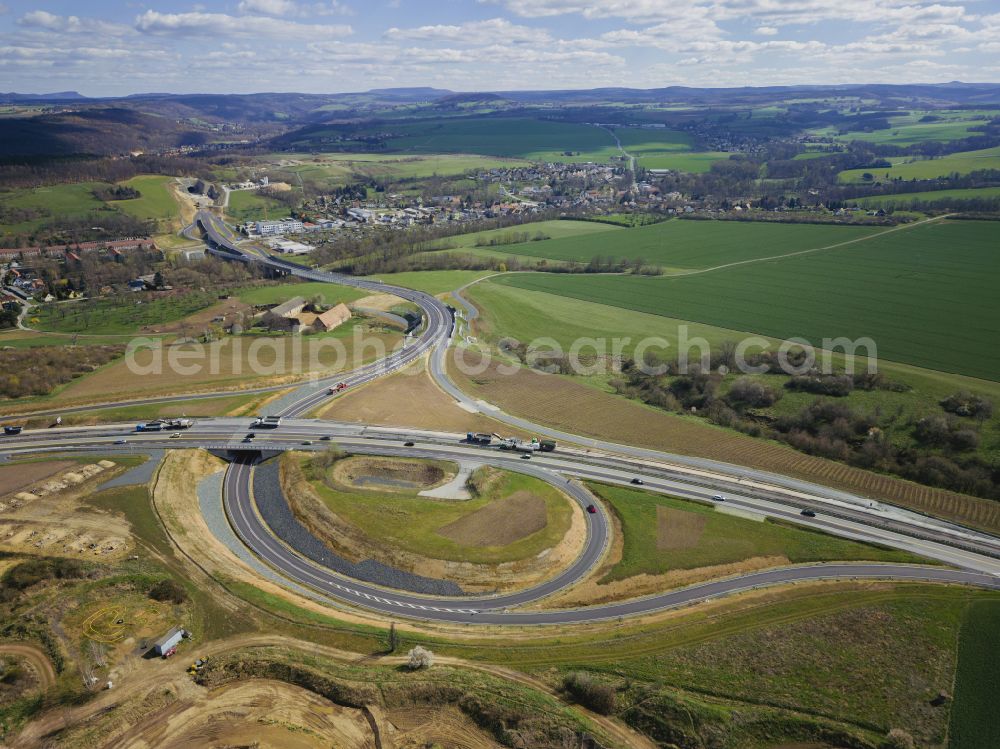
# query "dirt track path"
(160, 674)
(36, 658)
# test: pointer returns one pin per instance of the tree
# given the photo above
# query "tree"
(393, 638)
(418, 658)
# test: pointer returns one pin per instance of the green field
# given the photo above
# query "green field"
(905, 199)
(722, 539)
(656, 148)
(155, 203)
(508, 310)
(55, 201)
(905, 130)
(974, 721)
(907, 167)
(434, 281)
(249, 205)
(552, 229)
(685, 245)
(926, 295)
(519, 137)
(333, 169)
(412, 522)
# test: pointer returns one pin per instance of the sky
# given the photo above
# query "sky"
(112, 48)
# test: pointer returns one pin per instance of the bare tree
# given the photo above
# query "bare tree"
(419, 657)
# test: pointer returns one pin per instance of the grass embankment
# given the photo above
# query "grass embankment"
(500, 526)
(873, 666)
(156, 202)
(663, 533)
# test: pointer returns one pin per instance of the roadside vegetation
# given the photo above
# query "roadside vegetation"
(663, 534)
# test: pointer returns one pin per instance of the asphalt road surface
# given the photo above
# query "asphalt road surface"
(974, 557)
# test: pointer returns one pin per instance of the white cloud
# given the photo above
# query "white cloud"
(44, 21)
(474, 33)
(268, 7)
(766, 31)
(219, 24)
(771, 13)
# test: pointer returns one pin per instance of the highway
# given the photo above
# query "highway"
(973, 558)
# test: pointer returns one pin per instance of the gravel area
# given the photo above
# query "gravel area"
(278, 516)
(210, 499)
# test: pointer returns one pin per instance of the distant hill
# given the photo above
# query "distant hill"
(411, 94)
(13, 97)
(100, 132)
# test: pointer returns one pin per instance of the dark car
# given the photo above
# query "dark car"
(251, 435)
(637, 482)
(326, 438)
(808, 513)
(407, 444)
(591, 509)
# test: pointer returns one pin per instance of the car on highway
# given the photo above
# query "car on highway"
(121, 442)
(175, 435)
(637, 481)
(808, 513)
(526, 457)
(307, 442)
(718, 498)
(591, 509)
(407, 444)
(326, 438)
(248, 438)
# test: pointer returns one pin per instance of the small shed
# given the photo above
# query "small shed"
(170, 640)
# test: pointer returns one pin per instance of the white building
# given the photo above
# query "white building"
(276, 228)
(288, 247)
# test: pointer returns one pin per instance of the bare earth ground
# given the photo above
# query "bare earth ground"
(410, 399)
(352, 543)
(43, 674)
(16, 477)
(351, 472)
(676, 529)
(155, 704)
(45, 517)
(382, 302)
(253, 713)
(499, 523)
(573, 407)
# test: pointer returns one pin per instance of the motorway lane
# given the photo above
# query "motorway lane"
(490, 610)
(437, 331)
(240, 507)
(494, 610)
(949, 545)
